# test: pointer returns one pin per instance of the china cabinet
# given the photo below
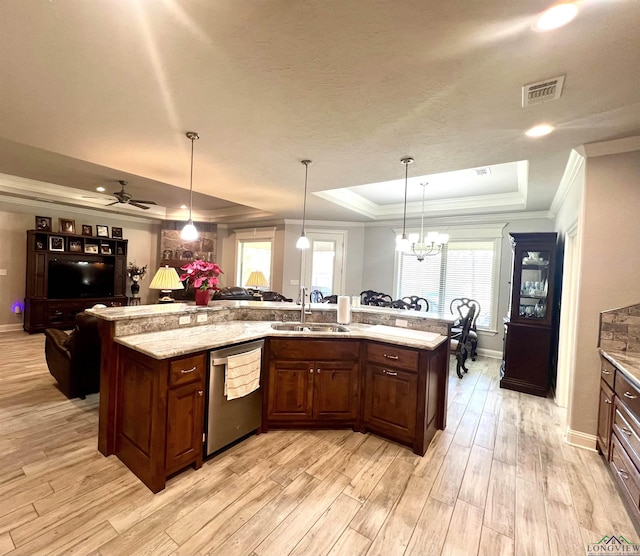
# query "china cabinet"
(530, 329)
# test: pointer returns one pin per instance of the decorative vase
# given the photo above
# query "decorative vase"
(203, 297)
(135, 289)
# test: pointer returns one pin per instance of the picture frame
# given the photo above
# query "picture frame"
(75, 245)
(67, 225)
(39, 244)
(105, 249)
(167, 254)
(116, 233)
(119, 250)
(56, 243)
(87, 230)
(91, 248)
(102, 231)
(43, 223)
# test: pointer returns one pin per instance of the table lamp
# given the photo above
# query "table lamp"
(256, 280)
(166, 280)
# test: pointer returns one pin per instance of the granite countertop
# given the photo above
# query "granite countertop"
(627, 362)
(141, 311)
(177, 342)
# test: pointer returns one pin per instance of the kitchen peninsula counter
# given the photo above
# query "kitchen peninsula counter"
(393, 379)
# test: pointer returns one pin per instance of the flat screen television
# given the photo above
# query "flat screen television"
(69, 279)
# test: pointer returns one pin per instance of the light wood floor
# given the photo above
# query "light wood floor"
(498, 481)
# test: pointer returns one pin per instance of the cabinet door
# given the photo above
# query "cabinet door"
(605, 414)
(390, 401)
(185, 419)
(290, 390)
(335, 391)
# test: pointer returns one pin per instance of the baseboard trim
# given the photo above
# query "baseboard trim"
(10, 327)
(490, 353)
(581, 440)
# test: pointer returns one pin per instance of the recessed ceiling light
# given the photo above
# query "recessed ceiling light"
(539, 130)
(100, 189)
(184, 206)
(556, 16)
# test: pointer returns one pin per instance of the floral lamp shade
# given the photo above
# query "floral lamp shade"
(166, 280)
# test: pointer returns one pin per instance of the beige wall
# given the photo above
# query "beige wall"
(609, 268)
(17, 217)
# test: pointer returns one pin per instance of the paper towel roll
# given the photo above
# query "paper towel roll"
(344, 309)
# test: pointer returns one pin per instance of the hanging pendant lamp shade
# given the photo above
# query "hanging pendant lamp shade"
(303, 240)
(402, 242)
(189, 232)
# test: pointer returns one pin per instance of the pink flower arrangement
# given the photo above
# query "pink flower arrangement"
(201, 274)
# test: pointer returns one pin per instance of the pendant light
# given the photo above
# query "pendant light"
(303, 240)
(189, 232)
(402, 242)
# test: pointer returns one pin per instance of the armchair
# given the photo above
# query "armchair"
(74, 359)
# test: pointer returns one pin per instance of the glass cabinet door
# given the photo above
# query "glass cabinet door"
(534, 285)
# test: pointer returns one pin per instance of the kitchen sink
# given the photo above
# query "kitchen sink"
(308, 327)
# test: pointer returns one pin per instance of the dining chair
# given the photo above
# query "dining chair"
(417, 303)
(315, 296)
(460, 340)
(461, 306)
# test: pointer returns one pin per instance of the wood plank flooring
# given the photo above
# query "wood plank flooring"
(498, 481)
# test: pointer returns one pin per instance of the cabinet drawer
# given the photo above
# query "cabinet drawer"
(607, 371)
(625, 471)
(186, 370)
(628, 431)
(393, 356)
(627, 393)
(297, 349)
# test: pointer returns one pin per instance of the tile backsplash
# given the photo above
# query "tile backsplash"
(620, 329)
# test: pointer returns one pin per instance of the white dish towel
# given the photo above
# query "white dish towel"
(242, 374)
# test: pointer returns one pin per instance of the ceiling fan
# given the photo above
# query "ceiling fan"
(125, 198)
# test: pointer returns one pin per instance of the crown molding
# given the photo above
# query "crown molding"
(571, 171)
(616, 146)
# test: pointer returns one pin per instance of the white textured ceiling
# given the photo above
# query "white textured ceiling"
(101, 90)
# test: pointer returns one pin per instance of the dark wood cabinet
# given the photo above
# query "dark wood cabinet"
(290, 390)
(160, 414)
(530, 343)
(390, 401)
(313, 380)
(618, 435)
(44, 306)
(405, 392)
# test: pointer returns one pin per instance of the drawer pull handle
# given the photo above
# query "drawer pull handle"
(187, 371)
(629, 395)
(394, 357)
(623, 475)
(607, 401)
(390, 373)
(318, 371)
(200, 392)
(311, 371)
(605, 372)
(625, 431)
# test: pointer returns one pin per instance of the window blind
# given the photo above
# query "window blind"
(463, 269)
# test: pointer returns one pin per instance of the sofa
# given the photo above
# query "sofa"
(74, 359)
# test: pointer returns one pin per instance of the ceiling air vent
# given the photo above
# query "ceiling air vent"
(542, 91)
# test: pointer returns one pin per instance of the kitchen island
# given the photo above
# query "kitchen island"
(374, 377)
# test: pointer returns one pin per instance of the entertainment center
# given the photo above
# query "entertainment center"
(68, 273)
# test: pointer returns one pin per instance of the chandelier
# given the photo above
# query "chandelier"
(431, 244)
(418, 245)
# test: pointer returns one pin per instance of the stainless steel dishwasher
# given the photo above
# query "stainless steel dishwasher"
(229, 420)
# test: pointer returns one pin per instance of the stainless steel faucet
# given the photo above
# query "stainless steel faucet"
(303, 310)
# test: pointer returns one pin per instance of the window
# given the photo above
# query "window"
(463, 269)
(254, 249)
